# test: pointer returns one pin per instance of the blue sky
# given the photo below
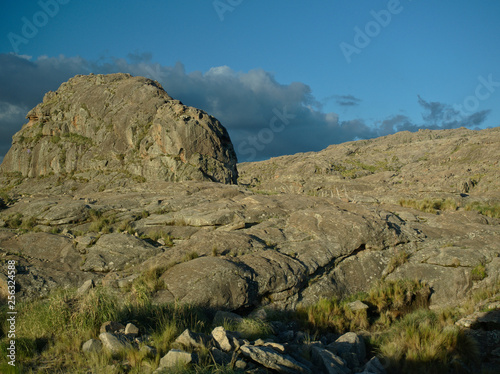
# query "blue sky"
(282, 76)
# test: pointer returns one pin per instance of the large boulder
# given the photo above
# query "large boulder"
(116, 122)
(211, 282)
(116, 251)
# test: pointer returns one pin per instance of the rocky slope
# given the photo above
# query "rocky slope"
(112, 178)
(426, 163)
(118, 123)
(227, 247)
(297, 228)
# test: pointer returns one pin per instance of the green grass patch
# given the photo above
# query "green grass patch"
(147, 284)
(490, 210)
(14, 221)
(399, 258)
(100, 222)
(5, 198)
(18, 221)
(250, 328)
(50, 332)
(77, 138)
(159, 235)
(55, 139)
(190, 256)
(421, 343)
(478, 273)
(430, 205)
(387, 301)
(405, 335)
(126, 226)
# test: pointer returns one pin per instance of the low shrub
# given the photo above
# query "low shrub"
(420, 343)
(490, 210)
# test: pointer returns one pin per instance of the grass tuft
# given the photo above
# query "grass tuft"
(190, 256)
(478, 273)
(490, 210)
(430, 205)
(419, 342)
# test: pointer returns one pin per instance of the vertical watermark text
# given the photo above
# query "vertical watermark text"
(11, 312)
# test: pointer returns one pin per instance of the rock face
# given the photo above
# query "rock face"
(235, 248)
(116, 122)
(458, 161)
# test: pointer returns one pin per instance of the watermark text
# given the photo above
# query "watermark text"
(223, 6)
(11, 312)
(265, 136)
(364, 36)
(31, 26)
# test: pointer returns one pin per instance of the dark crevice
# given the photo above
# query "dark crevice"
(333, 263)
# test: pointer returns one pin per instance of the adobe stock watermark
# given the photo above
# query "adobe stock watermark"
(265, 136)
(30, 27)
(223, 6)
(483, 91)
(11, 313)
(363, 37)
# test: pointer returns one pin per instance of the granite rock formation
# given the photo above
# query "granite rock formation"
(106, 123)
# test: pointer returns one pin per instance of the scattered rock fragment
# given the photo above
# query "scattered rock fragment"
(271, 359)
(85, 287)
(176, 357)
(351, 348)
(192, 340)
(131, 329)
(331, 363)
(222, 339)
(357, 305)
(113, 343)
(92, 346)
(111, 326)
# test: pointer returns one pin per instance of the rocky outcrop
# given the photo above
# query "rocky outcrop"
(429, 163)
(237, 248)
(103, 123)
(226, 247)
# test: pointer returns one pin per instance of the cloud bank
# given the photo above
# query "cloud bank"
(264, 118)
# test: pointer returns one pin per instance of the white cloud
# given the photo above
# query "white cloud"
(9, 111)
(246, 103)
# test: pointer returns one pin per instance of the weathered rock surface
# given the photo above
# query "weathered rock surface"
(351, 348)
(114, 252)
(236, 249)
(111, 326)
(192, 340)
(116, 122)
(224, 283)
(113, 343)
(427, 162)
(271, 359)
(92, 346)
(329, 362)
(174, 358)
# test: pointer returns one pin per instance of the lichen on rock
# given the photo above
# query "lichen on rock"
(117, 122)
